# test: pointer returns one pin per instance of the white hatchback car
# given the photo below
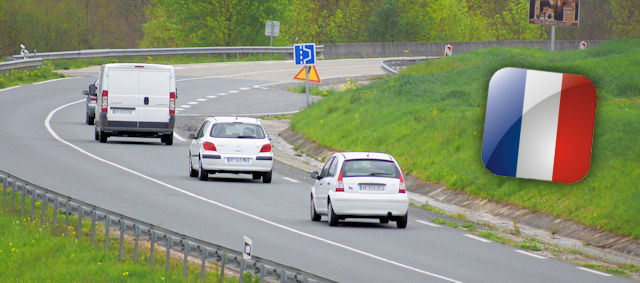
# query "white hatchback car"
(360, 185)
(231, 145)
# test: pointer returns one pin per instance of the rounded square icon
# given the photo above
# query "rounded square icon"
(539, 125)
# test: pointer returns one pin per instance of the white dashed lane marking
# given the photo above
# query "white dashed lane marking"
(201, 99)
(428, 224)
(211, 96)
(530, 254)
(244, 88)
(290, 180)
(233, 91)
(192, 102)
(594, 271)
(477, 238)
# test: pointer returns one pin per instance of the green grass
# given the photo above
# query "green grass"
(438, 220)
(33, 253)
(27, 76)
(431, 118)
(312, 90)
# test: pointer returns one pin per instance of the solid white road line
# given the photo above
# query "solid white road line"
(9, 88)
(47, 124)
(477, 238)
(44, 82)
(530, 254)
(428, 223)
(291, 180)
(178, 137)
(594, 271)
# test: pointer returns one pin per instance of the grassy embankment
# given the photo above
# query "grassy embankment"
(27, 76)
(33, 253)
(431, 118)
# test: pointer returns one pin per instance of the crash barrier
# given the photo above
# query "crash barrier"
(228, 260)
(19, 64)
(393, 66)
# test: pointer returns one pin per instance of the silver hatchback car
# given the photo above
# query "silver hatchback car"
(92, 96)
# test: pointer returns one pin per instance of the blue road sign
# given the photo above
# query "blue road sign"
(305, 54)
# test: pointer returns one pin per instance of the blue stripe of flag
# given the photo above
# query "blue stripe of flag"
(503, 121)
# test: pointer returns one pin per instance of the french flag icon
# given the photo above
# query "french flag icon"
(539, 125)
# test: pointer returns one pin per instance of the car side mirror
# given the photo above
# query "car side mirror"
(85, 92)
(269, 138)
(315, 175)
(192, 136)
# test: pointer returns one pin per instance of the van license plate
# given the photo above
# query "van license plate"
(122, 111)
(371, 187)
(238, 160)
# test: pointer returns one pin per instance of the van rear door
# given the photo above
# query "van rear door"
(155, 88)
(123, 95)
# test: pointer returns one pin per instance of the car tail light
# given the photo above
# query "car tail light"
(402, 188)
(266, 148)
(172, 102)
(105, 100)
(94, 99)
(209, 146)
(340, 186)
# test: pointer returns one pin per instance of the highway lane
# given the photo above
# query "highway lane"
(274, 215)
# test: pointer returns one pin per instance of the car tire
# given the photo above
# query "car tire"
(314, 214)
(102, 136)
(384, 220)
(203, 175)
(167, 139)
(402, 221)
(256, 176)
(96, 136)
(87, 118)
(332, 218)
(266, 178)
(192, 172)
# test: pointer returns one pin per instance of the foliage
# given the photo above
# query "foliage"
(430, 117)
(24, 76)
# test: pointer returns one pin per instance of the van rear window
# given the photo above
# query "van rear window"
(369, 167)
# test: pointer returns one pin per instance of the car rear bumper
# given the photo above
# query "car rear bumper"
(219, 163)
(374, 205)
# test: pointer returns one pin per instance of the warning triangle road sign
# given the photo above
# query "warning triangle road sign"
(313, 75)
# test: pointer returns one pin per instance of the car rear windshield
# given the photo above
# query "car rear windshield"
(237, 130)
(369, 167)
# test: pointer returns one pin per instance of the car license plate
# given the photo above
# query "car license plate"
(238, 160)
(372, 187)
(121, 111)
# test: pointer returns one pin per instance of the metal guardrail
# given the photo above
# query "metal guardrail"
(105, 53)
(25, 63)
(174, 242)
(393, 66)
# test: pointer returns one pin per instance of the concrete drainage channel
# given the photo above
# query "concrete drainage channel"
(208, 254)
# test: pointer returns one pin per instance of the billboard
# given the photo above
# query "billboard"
(554, 12)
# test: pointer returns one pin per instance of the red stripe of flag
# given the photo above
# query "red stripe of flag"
(575, 129)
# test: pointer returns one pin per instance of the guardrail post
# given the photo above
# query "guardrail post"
(262, 272)
(238, 56)
(93, 227)
(168, 260)
(204, 259)
(209, 55)
(122, 227)
(44, 208)
(135, 245)
(242, 267)
(152, 247)
(13, 197)
(224, 55)
(222, 264)
(185, 249)
(4, 190)
(24, 192)
(107, 219)
(33, 205)
(55, 213)
(66, 218)
(283, 276)
(79, 228)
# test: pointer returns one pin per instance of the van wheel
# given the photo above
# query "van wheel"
(103, 136)
(266, 178)
(256, 176)
(192, 172)
(332, 218)
(203, 175)
(314, 214)
(384, 220)
(167, 139)
(402, 221)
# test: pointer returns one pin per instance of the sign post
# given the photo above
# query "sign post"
(271, 29)
(554, 13)
(305, 54)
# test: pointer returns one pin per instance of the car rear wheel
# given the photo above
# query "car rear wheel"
(103, 136)
(89, 119)
(402, 221)
(332, 217)
(167, 139)
(97, 137)
(203, 175)
(192, 172)
(314, 215)
(266, 178)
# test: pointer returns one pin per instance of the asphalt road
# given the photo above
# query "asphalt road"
(43, 139)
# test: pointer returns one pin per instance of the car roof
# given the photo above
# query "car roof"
(133, 65)
(223, 119)
(367, 155)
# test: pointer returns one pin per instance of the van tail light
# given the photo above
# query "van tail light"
(172, 102)
(402, 189)
(209, 146)
(266, 148)
(340, 186)
(105, 101)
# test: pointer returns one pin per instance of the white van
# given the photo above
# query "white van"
(136, 100)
